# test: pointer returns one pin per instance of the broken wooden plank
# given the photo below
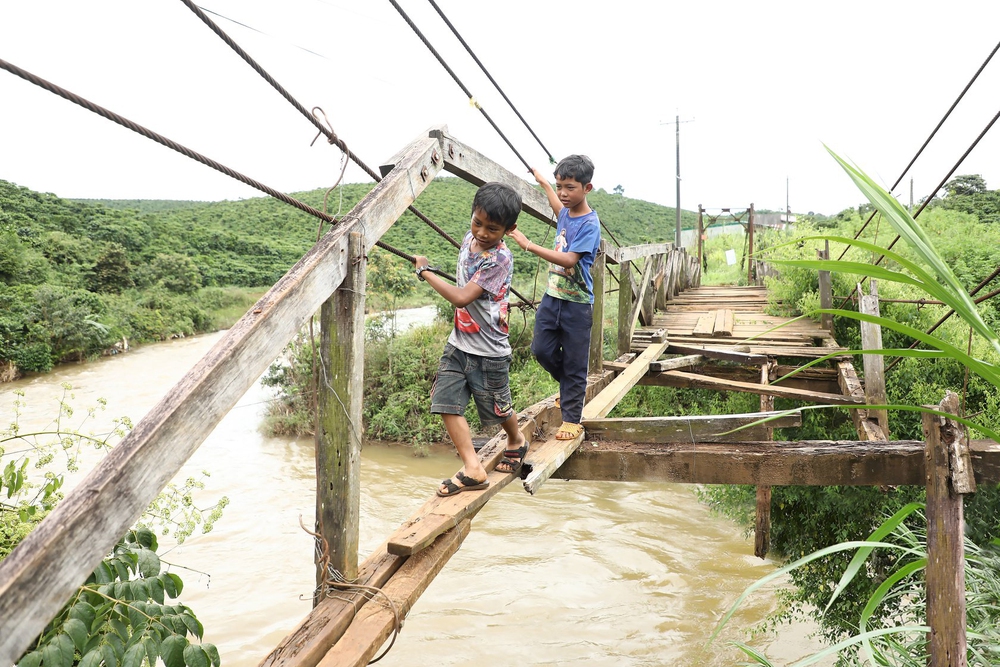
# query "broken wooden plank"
(725, 354)
(553, 452)
(802, 463)
(640, 296)
(705, 325)
(661, 365)
(724, 321)
(629, 253)
(375, 621)
(689, 428)
(693, 381)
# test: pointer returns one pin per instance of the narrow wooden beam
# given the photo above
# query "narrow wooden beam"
(874, 364)
(38, 577)
(693, 381)
(723, 353)
(825, 290)
(689, 429)
(705, 325)
(375, 621)
(599, 406)
(762, 520)
(725, 319)
(627, 254)
(677, 363)
(802, 463)
(597, 271)
(640, 297)
(338, 432)
(945, 534)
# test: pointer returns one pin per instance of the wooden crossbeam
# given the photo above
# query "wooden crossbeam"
(693, 381)
(725, 354)
(724, 322)
(692, 428)
(640, 296)
(800, 463)
(661, 365)
(705, 325)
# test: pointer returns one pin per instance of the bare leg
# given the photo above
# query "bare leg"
(514, 441)
(458, 430)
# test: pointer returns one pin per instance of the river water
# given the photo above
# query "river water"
(594, 573)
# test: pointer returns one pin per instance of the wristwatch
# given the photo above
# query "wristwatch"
(421, 270)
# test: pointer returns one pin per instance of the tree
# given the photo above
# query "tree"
(967, 184)
(112, 272)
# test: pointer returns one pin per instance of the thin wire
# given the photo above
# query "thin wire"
(492, 80)
(928, 140)
(472, 99)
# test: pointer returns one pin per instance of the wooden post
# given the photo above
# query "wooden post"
(624, 307)
(750, 247)
(874, 364)
(825, 290)
(701, 234)
(597, 271)
(762, 524)
(945, 532)
(338, 432)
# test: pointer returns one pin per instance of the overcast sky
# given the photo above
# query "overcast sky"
(764, 84)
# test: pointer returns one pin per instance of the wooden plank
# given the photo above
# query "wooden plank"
(850, 385)
(464, 161)
(825, 290)
(640, 296)
(802, 463)
(338, 436)
(945, 534)
(748, 358)
(692, 428)
(754, 351)
(38, 576)
(874, 364)
(624, 307)
(325, 624)
(762, 519)
(597, 271)
(705, 324)
(724, 321)
(375, 621)
(556, 451)
(662, 365)
(630, 253)
(693, 381)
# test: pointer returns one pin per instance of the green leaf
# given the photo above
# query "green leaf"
(146, 538)
(134, 656)
(91, 659)
(121, 629)
(172, 650)
(121, 569)
(58, 652)
(156, 589)
(136, 619)
(195, 656)
(152, 649)
(110, 658)
(78, 631)
(117, 644)
(169, 585)
(33, 659)
(192, 624)
(178, 584)
(140, 591)
(84, 613)
(149, 563)
(213, 653)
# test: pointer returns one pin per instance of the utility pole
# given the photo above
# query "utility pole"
(677, 141)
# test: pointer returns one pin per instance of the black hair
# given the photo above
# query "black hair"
(578, 167)
(499, 202)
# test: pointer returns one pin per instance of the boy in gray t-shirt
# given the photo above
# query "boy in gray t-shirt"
(476, 359)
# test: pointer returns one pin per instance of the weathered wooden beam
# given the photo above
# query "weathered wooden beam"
(693, 428)
(640, 297)
(677, 363)
(468, 163)
(850, 385)
(630, 253)
(724, 321)
(825, 290)
(597, 271)
(802, 463)
(624, 307)
(945, 534)
(38, 576)
(725, 354)
(705, 324)
(692, 381)
(599, 406)
(762, 520)
(338, 433)
(375, 621)
(874, 364)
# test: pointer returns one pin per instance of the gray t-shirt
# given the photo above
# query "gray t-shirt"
(481, 327)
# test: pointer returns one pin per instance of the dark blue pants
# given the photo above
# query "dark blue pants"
(562, 347)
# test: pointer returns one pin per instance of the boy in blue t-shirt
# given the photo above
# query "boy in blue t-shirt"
(561, 343)
(476, 359)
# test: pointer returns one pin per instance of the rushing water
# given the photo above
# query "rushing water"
(596, 573)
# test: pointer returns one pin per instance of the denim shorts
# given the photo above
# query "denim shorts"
(461, 375)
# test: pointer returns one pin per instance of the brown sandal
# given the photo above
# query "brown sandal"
(569, 431)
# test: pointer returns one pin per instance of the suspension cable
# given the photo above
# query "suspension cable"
(472, 99)
(492, 80)
(928, 140)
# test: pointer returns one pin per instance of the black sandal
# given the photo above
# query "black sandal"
(509, 456)
(465, 483)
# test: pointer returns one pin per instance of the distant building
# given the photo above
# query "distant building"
(773, 220)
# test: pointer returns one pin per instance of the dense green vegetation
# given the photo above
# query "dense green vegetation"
(78, 278)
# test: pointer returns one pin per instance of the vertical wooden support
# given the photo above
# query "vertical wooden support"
(701, 236)
(945, 532)
(750, 247)
(825, 290)
(874, 364)
(597, 271)
(762, 525)
(624, 307)
(338, 432)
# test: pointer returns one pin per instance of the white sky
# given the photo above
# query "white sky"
(766, 83)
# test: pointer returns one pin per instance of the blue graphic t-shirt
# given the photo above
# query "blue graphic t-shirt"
(580, 235)
(481, 327)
